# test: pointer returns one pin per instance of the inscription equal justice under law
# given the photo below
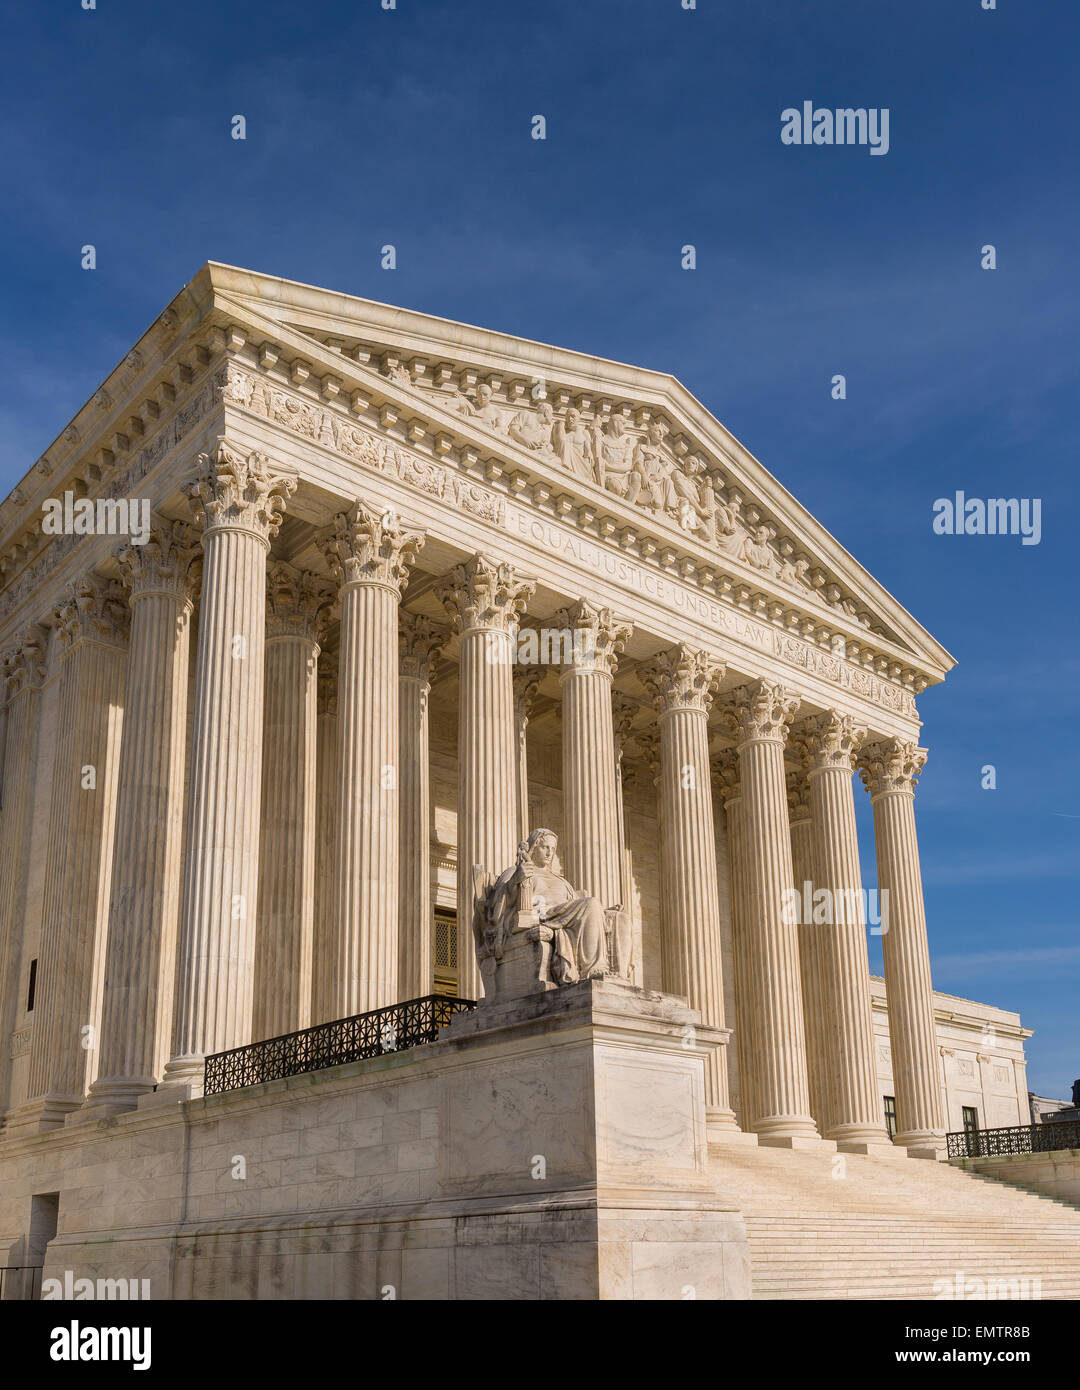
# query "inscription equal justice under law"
(628, 574)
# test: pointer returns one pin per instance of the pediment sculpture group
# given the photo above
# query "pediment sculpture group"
(639, 468)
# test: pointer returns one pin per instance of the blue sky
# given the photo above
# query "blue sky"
(413, 127)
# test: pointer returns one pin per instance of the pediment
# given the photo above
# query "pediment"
(623, 454)
(632, 440)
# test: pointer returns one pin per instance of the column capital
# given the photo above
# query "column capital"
(762, 710)
(231, 492)
(96, 610)
(526, 683)
(368, 545)
(725, 775)
(648, 741)
(829, 740)
(420, 644)
(484, 594)
(798, 794)
(167, 564)
(297, 603)
(682, 678)
(326, 683)
(606, 636)
(24, 664)
(624, 710)
(891, 765)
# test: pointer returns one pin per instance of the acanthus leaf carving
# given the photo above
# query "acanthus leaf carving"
(760, 710)
(370, 545)
(484, 593)
(682, 678)
(232, 491)
(891, 765)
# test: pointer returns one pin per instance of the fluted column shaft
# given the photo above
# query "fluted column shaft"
(327, 786)
(759, 716)
(239, 502)
(484, 600)
(526, 684)
(92, 630)
(370, 553)
(745, 990)
(140, 967)
(682, 682)
(420, 644)
(890, 770)
(811, 953)
(854, 1113)
(23, 672)
(286, 911)
(590, 797)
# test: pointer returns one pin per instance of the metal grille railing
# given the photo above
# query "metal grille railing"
(393, 1029)
(20, 1282)
(1020, 1139)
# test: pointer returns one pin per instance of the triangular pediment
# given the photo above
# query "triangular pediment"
(634, 439)
(622, 454)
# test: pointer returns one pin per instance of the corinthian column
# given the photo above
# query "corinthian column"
(324, 933)
(296, 609)
(369, 553)
(590, 796)
(24, 671)
(526, 683)
(484, 600)
(855, 1118)
(140, 966)
(811, 948)
(624, 710)
(682, 682)
(239, 503)
(92, 629)
(739, 993)
(890, 770)
(420, 643)
(759, 716)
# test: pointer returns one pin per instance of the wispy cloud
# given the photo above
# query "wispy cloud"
(1040, 958)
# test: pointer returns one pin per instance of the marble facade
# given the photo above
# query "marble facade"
(306, 719)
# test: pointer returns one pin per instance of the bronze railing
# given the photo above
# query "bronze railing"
(1018, 1139)
(393, 1029)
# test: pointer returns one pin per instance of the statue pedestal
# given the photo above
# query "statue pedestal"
(575, 1141)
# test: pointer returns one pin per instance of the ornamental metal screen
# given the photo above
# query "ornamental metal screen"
(1020, 1139)
(393, 1029)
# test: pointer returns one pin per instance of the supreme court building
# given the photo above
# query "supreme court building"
(255, 757)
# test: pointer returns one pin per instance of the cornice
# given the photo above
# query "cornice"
(223, 322)
(435, 444)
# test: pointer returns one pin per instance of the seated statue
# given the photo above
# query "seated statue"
(531, 908)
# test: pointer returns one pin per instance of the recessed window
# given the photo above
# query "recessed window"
(31, 988)
(971, 1120)
(890, 1115)
(445, 944)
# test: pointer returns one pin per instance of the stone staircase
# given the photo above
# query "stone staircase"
(835, 1226)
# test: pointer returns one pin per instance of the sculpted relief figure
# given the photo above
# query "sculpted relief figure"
(535, 931)
(534, 431)
(573, 445)
(484, 410)
(651, 471)
(614, 451)
(755, 550)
